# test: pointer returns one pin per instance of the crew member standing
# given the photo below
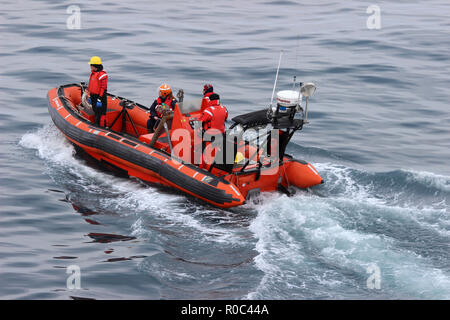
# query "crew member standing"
(98, 85)
(213, 121)
(214, 116)
(166, 98)
(208, 90)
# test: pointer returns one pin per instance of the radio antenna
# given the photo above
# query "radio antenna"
(276, 79)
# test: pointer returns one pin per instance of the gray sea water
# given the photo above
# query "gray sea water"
(378, 134)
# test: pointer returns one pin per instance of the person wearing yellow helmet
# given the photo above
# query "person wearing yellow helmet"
(165, 97)
(97, 89)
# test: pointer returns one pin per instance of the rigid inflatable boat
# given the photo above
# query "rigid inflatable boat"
(257, 148)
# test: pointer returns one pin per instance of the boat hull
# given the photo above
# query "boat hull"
(140, 160)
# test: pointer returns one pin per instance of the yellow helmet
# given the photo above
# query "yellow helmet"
(164, 90)
(239, 157)
(95, 60)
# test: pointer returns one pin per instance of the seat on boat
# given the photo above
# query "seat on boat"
(252, 119)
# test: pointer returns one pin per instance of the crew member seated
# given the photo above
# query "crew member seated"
(98, 86)
(165, 100)
(208, 90)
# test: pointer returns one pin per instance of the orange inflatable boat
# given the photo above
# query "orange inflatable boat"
(258, 161)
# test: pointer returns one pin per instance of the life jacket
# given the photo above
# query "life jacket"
(205, 101)
(98, 82)
(214, 116)
(169, 101)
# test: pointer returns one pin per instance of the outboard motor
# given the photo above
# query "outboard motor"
(288, 104)
(289, 107)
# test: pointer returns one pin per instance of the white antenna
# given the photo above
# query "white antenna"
(276, 79)
(300, 84)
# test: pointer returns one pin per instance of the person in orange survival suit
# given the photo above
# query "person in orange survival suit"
(214, 116)
(213, 121)
(165, 97)
(98, 86)
(208, 90)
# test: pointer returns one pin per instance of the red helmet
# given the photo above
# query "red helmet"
(207, 88)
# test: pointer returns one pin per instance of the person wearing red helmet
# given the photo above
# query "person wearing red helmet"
(165, 99)
(98, 85)
(208, 90)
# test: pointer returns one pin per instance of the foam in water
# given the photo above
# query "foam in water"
(439, 182)
(305, 235)
(50, 144)
(129, 197)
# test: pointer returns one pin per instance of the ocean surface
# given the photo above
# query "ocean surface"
(379, 135)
